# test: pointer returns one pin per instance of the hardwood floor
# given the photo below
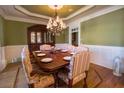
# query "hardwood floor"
(98, 77)
(108, 79)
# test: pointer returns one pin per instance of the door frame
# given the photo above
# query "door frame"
(70, 32)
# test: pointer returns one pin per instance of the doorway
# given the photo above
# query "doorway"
(75, 38)
(74, 34)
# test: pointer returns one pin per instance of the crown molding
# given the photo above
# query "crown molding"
(23, 10)
(96, 14)
(2, 13)
(79, 11)
(20, 19)
(24, 20)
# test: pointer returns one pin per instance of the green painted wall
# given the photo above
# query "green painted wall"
(107, 30)
(16, 32)
(63, 37)
(1, 31)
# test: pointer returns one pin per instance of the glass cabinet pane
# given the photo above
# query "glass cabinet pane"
(33, 37)
(49, 38)
(39, 37)
(44, 37)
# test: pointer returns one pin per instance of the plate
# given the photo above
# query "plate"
(41, 54)
(72, 53)
(46, 60)
(64, 50)
(38, 51)
(68, 58)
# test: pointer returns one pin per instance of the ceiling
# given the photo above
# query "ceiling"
(40, 14)
(65, 11)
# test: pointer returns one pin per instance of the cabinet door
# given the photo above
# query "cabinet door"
(39, 37)
(32, 37)
(32, 40)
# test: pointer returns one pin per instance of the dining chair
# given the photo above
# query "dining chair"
(34, 78)
(78, 68)
(45, 47)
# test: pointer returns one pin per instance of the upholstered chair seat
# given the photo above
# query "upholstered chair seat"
(40, 80)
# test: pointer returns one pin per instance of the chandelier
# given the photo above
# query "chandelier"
(55, 24)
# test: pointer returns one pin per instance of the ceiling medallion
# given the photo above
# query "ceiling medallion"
(55, 6)
(55, 24)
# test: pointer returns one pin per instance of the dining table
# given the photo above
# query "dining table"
(55, 65)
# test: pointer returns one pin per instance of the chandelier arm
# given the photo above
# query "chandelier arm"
(55, 25)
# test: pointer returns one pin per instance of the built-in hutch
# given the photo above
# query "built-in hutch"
(38, 35)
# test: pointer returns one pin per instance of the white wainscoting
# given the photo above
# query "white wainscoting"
(104, 55)
(100, 55)
(13, 53)
(2, 58)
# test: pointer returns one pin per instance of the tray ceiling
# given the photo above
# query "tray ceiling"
(20, 13)
(65, 11)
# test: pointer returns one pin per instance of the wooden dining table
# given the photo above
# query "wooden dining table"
(55, 65)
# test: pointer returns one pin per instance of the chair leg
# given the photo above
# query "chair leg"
(59, 81)
(85, 83)
(31, 85)
(85, 80)
(56, 79)
(70, 83)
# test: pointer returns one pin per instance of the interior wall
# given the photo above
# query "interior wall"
(2, 56)
(103, 35)
(63, 37)
(15, 38)
(105, 30)
(1, 31)
(15, 32)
